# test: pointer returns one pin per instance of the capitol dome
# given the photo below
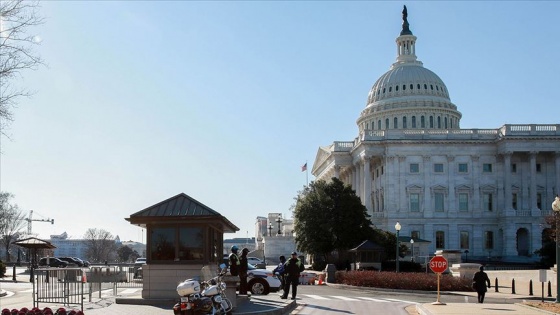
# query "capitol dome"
(408, 96)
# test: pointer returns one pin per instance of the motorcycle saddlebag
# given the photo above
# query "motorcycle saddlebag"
(187, 287)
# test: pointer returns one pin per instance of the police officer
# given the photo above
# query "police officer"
(279, 270)
(243, 269)
(234, 261)
(292, 268)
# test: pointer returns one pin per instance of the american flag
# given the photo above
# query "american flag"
(304, 167)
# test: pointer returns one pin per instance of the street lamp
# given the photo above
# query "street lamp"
(412, 247)
(270, 229)
(398, 228)
(279, 220)
(556, 209)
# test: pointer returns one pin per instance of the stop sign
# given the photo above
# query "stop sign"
(438, 264)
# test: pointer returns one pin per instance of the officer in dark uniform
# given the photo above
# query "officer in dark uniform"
(233, 261)
(292, 268)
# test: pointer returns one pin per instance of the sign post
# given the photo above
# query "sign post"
(438, 264)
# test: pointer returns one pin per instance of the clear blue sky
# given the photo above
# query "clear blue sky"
(225, 101)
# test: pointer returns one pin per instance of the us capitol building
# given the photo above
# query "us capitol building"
(482, 190)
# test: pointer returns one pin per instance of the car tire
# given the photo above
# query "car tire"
(259, 286)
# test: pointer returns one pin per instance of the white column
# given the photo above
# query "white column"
(507, 182)
(337, 171)
(367, 183)
(357, 180)
(533, 180)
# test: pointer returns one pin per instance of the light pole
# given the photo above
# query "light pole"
(398, 228)
(279, 220)
(556, 209)
(412, 248)
(270, 229)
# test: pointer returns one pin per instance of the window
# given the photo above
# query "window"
(439, 122)
(162, 243)
(422, 122)
(513, 168)
(387, 123)
(438, 201)
(414, 202)
(395, 123)
(514, 201)
(463, 168)
(379, 124)
(414, 168)
(445, 122)
(431, 121)
(464, 240)
(413, 121)
(489, 240)
(463, 202)
(487, 199)
(175, 243)
(438, 168)
(538, 167)
(440, 239)
(539, 200)
(404, 122)
(487, 168)
(415, 235)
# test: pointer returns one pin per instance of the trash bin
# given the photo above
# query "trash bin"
(330, 270)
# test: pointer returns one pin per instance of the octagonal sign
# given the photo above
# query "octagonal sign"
(438, 264)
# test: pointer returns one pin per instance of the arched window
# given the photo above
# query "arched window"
(395, 123)
(379, 124)
(383, 90)
(425, 86)
(445, 122)
(404, 122)
(439, 122)
(412, 86)
(387, 123)
(404, 87)
(431, 87)
(397, 88)
(413, 121)
(418, 86)
(390, 88)
(422, 122)
(431, 121)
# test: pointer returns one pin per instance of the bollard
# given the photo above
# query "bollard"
(531, 287)
(512, 286)
(549, 289)
(14, 274)
(496, 284)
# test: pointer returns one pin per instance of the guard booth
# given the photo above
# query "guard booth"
(183, 235)
(368, 256)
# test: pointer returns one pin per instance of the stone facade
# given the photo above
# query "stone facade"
(482, 190)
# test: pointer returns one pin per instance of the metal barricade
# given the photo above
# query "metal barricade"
(59, 286)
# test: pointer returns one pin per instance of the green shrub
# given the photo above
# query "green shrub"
(319, 265)
(402, 281)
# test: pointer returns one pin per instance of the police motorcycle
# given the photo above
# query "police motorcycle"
(204, 297)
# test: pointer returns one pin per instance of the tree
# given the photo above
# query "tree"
(17, 17)
(12, 221)
(100, 245)
(329, 217)
(127, 254)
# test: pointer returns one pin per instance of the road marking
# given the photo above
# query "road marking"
(344, 298)
(372, 299)
(394, 300)
(129, 291)
(316, 297)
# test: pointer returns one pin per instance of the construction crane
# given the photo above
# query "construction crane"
(30, 220)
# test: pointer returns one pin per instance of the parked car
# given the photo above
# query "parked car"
(53, 262)
(262, 281)
(257, 262)
(85, 263)
(72, 261)
(138, 267)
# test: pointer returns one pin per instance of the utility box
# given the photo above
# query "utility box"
(331, 270)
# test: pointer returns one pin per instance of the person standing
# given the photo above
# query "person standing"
(292, 268)
(233, 261)
(279, 270)
(243, 268)
(480, 280)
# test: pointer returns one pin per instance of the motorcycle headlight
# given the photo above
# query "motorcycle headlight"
(223, 286)
(217, 299)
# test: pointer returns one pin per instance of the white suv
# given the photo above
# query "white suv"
(262, 281)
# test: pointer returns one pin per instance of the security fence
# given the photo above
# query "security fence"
(70, 286)
(59, 286)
